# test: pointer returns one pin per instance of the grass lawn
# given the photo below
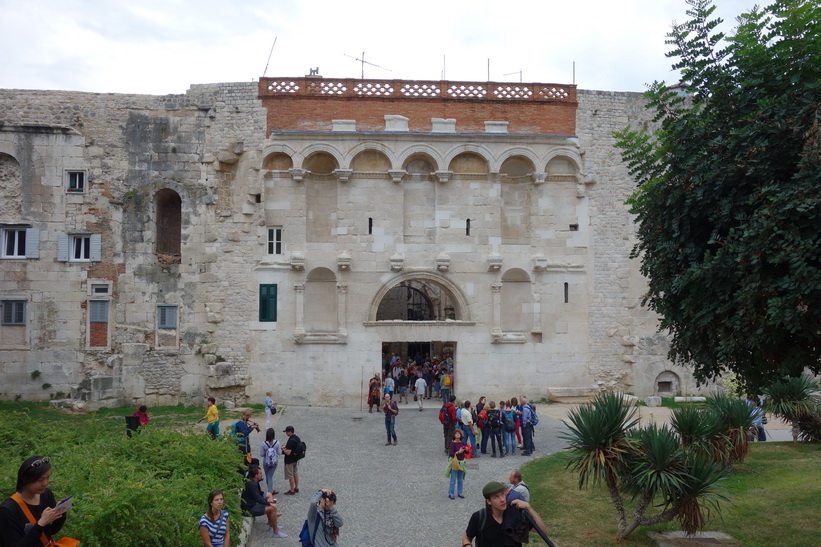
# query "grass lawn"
(776, 496)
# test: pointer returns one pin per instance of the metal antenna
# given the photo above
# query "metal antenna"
(264, 72)
(512, 73)
(363, 62)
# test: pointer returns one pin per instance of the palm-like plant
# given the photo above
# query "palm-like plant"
(700, 495)
(647, 463)
(701, 432)
(736, 418)
(793, 399)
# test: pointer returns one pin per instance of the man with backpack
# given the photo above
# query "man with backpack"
(498, 523)
(492, 430)
(294, 451)
(447, 416)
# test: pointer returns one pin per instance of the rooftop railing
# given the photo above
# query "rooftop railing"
(415, 89)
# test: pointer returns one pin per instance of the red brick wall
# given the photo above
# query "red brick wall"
(306, 110)
(98, 337)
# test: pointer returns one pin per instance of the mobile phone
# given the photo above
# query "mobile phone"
(64, 504)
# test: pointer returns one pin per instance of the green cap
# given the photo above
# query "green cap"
(491, 488)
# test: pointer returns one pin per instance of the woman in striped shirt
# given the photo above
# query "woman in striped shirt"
(214, 523)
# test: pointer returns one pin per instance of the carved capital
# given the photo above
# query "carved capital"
(342, 288)
(443, 176)
(397, 262)
(496, 287)
(343, 262)
(297, 262)
(299, 287)
(343, 175)
(443, 262)
(539, 263)
(494, 263)
(396, 174)
(298, 174)
(538, 177)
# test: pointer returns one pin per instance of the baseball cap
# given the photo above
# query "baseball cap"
(492, 488)
(289, 428)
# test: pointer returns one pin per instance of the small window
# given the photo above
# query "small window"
(14, 312)
(566, 293)
(467, 227)
(76, 182)
(166, 317)
(98, 311)
(20, 242)
(274, 241)
(99, 289)
(370, 226)
(267, 303)
(573, 227)
(79, 247)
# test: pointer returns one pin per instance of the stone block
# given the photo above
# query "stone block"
(653, 400)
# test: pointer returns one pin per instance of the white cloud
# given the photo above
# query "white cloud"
(163, 46)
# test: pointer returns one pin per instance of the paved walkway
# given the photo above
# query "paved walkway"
(388, 495)
(397, 495)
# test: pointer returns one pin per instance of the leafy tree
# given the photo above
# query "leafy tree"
(729, 202)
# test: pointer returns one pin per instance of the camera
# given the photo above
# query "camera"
(331, 496)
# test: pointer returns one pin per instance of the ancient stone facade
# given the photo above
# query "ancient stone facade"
(279, 235)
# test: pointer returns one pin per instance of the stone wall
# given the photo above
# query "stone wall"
(542, 295)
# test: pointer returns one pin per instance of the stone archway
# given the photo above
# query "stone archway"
(433, 295)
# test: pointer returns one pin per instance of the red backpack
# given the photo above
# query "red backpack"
(482, 419)
(444, 414)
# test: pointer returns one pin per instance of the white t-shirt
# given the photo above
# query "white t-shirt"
(467, 417)
(420, 385)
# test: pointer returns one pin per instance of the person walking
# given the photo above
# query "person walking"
(270, 409)
(214, 523)
(324, 521)
(457, 467)
(269, 452)
(212, 416)
(391, 410)
(291, 460)
(373, 393)
(419, 390)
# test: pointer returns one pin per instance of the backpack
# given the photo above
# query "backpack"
(510, 421)
(493, 419)
(305, 534)
(534, 418)
(482, 419)
(444, 414)
(446, 381)
(271, 456)
(299, 453)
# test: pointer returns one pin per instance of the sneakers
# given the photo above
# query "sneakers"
(280, 534)
(290, 493)
(451, 497)
(461, 496)
(388, 443)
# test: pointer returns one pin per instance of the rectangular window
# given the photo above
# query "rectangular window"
(267, 303)
(14, 243)
(166, 317)
(274, 241)
(14, 312)
(99, 289)
(79, 247)
(98, 311)
(76, 181)
(20, 242)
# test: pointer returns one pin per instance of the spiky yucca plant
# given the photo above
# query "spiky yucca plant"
(736, 418)
(794, 400)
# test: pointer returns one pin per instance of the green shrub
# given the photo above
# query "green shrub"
(150, 489)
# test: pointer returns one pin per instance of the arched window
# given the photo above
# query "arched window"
(169, 224)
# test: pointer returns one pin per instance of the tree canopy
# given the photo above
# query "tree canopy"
(728, 204)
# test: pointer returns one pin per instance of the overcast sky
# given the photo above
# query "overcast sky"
(164, 46)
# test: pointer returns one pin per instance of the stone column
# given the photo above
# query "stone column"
(537, 311)
(341, 309)
(496, 290)
(299, 305)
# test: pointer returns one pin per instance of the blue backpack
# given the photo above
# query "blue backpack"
(305, 534)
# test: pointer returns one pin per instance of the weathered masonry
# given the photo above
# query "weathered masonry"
(281, 234)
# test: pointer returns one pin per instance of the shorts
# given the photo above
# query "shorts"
(403, 390)
(257, 510)
(290, 471)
